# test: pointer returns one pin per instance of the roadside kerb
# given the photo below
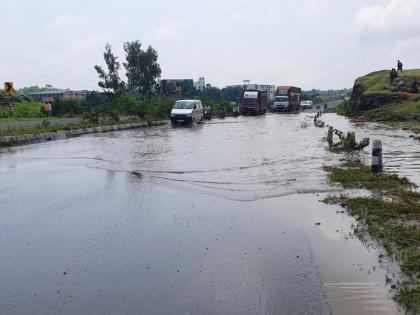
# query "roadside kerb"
(6, 141)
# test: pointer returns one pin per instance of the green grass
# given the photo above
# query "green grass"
(388, 217)
(357, 175)
(341, 109)
(376, 81)
(409, 295)
(26, 109)
(409, 110)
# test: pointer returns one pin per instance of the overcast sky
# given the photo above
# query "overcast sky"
(308, 43)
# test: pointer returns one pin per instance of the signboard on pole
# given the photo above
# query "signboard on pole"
(8, 87)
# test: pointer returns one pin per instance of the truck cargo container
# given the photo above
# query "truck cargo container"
(287, 99)
(254, 102)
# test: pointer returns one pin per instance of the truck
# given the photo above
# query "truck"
(287, 99)
(254, 102)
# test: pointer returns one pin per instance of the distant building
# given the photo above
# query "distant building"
(270, 89)
(200, 85)
(176, 86)
(49, 96)
(75, 95)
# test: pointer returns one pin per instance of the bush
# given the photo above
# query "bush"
(30, 109)
(91, 116)
(348, 142)
(62, 107)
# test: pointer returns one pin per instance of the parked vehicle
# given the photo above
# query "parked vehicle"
(187, 112)
(207, 112)
(254, 102)
(306, 105)
(287, 99)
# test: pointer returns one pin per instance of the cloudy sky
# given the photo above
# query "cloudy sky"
(308, 43)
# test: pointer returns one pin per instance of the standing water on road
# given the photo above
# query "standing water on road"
(215, 219)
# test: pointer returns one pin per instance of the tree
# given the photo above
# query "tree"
(110, 81)
(143, 71)
(94, 99)
(232, 93)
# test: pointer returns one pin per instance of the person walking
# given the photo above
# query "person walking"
(400, 66)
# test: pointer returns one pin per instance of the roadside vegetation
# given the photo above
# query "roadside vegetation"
(391, 216)
(324, 96)
(45, 127)
(140, 97)
(24, 109)
(342, 109)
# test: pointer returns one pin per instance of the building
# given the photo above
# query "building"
(270, 89)
(200, 85)
(177, 86)
(49, 96)
(75, 95)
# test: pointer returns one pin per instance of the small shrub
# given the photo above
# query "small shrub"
(45, 123)
(348, 142)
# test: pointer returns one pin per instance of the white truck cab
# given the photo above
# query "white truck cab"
(187, 112)
(281, 103)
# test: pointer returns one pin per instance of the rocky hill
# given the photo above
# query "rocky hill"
(375, 98)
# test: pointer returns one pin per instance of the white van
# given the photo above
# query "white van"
(187, 112)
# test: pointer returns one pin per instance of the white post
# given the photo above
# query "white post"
(330, 136)
(377, 167)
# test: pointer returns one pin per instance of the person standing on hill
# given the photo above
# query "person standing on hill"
(400, 66)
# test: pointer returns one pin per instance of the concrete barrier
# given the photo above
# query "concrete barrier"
(6, 141)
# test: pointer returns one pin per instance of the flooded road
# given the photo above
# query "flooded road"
(216, 219)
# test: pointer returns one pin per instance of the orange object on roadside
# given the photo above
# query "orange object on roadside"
(404, 94)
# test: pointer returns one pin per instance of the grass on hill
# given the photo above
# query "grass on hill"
(410, 110)
(376, 81)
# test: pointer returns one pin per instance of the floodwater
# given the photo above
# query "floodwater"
(220, 218)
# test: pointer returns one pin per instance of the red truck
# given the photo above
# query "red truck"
(254, 102)
(287, 99)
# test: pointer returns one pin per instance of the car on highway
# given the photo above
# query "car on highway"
(306, 105)
(187, 112)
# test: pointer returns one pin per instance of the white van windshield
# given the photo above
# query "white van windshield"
(282, 99)
(184, 105)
